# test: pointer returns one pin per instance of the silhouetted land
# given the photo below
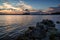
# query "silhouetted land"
(56, 13)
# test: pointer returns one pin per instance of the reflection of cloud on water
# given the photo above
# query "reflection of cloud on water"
(23, 20)
(18, 21)
(13, 22)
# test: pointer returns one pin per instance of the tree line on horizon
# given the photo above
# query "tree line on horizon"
(56, 13)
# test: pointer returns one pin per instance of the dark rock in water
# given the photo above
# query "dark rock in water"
(49, 23)
(58, 22)
(58, 35)
(41, 31)
(31, 28)
(52, 37)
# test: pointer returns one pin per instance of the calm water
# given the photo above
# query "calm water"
(15, 23)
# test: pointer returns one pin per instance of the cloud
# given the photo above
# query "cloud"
(23, 5)
(53, 9)
(1, 7)
(9, 6)
(19, 6)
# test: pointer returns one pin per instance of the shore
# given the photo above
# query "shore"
(44, 30)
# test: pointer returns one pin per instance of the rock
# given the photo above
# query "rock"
(41, 31)
(58, 22)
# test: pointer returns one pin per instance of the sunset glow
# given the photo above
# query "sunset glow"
(29, 19)
(20, 6)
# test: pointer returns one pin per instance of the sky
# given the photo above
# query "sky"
(35, 4)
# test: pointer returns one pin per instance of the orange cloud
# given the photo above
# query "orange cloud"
(9, 6)
(10, 9)
(19, 6)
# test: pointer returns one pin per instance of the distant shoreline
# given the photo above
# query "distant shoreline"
(22, 14)
(56, 13)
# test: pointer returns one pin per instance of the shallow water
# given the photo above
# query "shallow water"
(15, 23)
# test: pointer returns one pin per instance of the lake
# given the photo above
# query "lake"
(13, 24)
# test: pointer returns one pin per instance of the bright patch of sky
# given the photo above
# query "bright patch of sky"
(36, 4)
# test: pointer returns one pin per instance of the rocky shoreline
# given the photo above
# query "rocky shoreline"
(44, 30)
